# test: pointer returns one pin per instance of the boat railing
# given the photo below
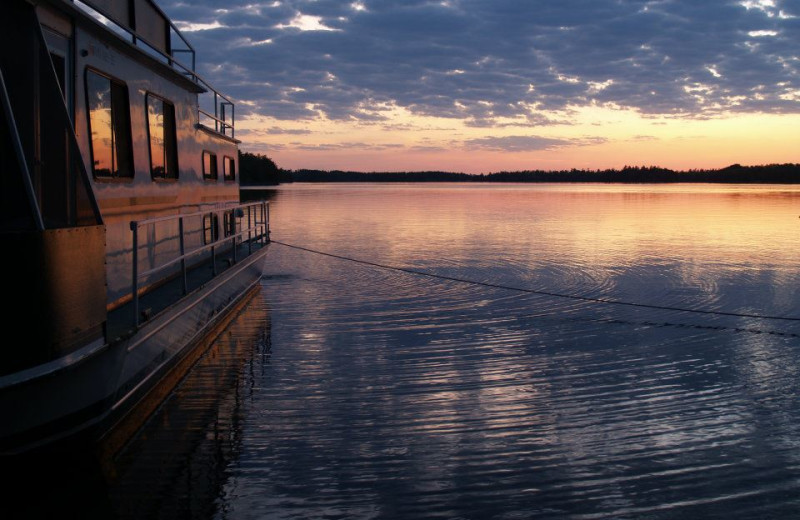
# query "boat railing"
(221, 124)
(256, 232)
(223, 118)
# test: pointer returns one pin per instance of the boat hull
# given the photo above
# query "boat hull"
(97, 387)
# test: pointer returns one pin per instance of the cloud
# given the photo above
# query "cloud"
(193, 27)
(492, 62)
(428, 149)
(305, 22)
(348, 146)
(526, 143)
(274, 131)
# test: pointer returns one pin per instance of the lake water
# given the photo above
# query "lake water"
(388, 394)
(614, 360)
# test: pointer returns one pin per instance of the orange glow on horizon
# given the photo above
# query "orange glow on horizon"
(590, 138)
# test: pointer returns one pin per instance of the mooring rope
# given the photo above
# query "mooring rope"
(577, 297)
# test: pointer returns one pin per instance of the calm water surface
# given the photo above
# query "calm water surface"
(394, 395)
(374, 393)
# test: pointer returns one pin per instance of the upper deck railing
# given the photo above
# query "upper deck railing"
(146, 26)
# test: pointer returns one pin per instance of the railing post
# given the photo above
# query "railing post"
(249, 230)
(262, 226)
(266, 212)
(216, 112)
(233, 236)
(224, 123)
(213, 262)
(135, 281)
(183, 259)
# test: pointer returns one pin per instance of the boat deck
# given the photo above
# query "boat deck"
(121, 320)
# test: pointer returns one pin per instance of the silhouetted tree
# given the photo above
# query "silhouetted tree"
(260, 170)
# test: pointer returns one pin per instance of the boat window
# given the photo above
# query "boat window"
(209, 166)
(231, 223)
(229, 168)
(163, 143)
(109, 126)
(210, 231)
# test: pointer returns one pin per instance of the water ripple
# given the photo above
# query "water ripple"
(388, 395)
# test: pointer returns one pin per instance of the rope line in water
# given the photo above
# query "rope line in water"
(537, 291)
(675, 325)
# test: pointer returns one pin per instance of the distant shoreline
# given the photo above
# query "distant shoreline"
(734, 174)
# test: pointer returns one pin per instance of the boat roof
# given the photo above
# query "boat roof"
(142, 31)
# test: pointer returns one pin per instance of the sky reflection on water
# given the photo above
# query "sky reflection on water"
(390, 395)
(350, 391)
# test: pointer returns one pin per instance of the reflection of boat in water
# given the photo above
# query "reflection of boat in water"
(124, 237)
(196, 432)
(177, 464)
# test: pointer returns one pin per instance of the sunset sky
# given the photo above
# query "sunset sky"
(489, 85)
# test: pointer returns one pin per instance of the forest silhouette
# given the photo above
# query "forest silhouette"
(260, 170)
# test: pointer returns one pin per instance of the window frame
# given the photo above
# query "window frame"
(171, 149)
(121, 122)
(229, 226)
(210, 228)
(226, 159)
(213, 175)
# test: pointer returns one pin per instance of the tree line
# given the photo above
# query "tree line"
(256, 169)
(260, 170)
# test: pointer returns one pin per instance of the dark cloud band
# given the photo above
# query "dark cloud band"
(493, 61)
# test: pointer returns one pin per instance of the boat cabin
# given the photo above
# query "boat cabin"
(118, 160)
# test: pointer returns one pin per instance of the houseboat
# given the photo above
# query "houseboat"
(125, 244)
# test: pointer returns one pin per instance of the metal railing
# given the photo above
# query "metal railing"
(257, 231)
(221, 123)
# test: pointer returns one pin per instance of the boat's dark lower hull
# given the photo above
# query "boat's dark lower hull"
(99, 386)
